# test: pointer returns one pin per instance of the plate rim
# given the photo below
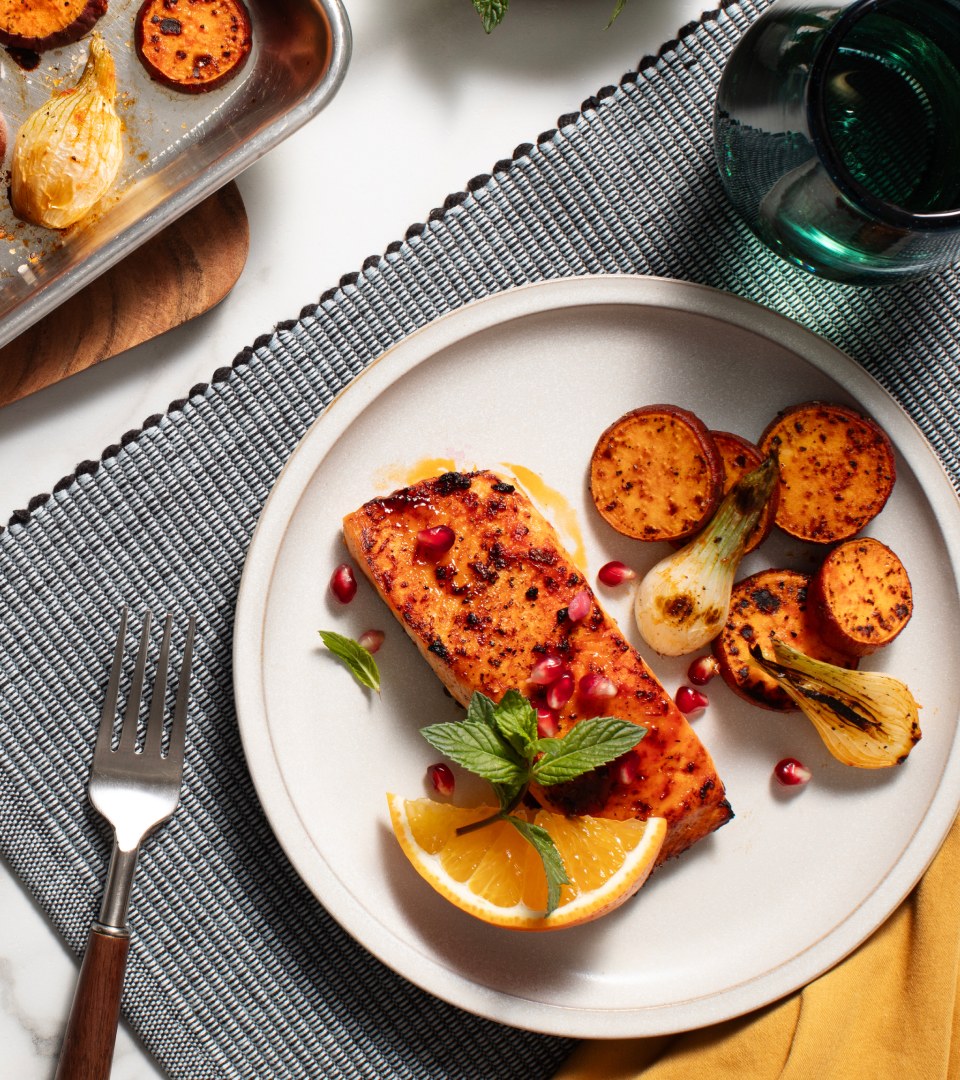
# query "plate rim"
(412, 963)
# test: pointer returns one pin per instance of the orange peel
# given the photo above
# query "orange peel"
(496, 875)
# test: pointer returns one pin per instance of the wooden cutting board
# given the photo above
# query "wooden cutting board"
(178, 274)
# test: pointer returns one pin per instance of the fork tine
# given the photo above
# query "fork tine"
(179, 729)
(128, 732)
(109, 715)
(151, 744)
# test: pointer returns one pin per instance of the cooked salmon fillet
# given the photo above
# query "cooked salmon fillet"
(490, 607)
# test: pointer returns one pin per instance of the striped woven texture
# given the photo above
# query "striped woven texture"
(235, 969)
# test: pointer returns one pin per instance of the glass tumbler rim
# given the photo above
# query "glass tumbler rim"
(887, 212)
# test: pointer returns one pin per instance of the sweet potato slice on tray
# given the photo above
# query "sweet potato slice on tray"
(862, 596)
(38, 25)
(655, 474)
(193, 45)
(837, 470)
(496, 603)
(772, 603)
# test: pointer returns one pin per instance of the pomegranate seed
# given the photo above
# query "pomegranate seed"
(441, 776)
(627, 769)
(580, 606)
(547, 670)
(434, 542)
(560, 691)
(703, 669)
(371, 640)
(343, 583)
(691, 701)
(594, 687)
(547, 723)
(615, 573)
(791, 772)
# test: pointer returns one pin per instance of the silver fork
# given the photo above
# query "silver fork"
(136, 790)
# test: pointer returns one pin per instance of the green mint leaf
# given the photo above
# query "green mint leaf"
(491, 12)
(621, 4)
(550, 856)
(508, 794)
(358, 660)
(482, 709)
(480, 749)
(516, 720)
(585, 746)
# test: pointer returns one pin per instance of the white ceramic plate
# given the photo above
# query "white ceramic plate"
(531, 377)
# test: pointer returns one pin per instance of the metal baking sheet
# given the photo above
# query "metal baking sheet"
(178, 148)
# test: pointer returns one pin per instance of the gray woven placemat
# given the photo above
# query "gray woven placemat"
(235, 970)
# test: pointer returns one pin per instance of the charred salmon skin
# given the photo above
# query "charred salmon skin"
(495, 603)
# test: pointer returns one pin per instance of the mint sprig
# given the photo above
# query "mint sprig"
(493, 11)
(358, 660)
(498, 741)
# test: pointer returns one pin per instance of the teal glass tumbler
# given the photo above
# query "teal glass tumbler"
(837, 135)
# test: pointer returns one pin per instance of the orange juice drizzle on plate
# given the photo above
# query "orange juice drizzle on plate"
(397, 476)
(555, 506)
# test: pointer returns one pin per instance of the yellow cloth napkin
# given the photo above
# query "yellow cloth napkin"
(887, 1012)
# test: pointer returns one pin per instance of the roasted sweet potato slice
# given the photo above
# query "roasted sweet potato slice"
(655, 474)
(193, 45)
(772, 603)
(38, 25)
(862, 596)
(837, 470)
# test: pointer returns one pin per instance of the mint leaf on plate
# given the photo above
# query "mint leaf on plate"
(549, 855)
(620, 5)
(482, 708)
(516, 720)
(586, 745)
(479, 748)
(358, 661)
(491, 12)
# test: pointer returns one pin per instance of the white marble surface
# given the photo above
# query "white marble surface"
(428, 102)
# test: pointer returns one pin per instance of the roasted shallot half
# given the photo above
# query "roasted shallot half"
(67, 154)
(682, 602)
(866, 718)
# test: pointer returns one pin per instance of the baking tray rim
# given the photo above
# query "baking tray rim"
(50, 295)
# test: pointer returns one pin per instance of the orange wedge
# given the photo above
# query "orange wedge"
(497, 875)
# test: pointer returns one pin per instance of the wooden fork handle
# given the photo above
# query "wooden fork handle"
(87, 1052)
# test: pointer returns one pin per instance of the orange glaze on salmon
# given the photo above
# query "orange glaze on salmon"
(488, 609)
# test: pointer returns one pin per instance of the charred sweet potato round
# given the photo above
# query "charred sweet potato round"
(656, 474)
(862, 596)
(193, 45)
(772, 603)
(837, 470)
(38, 25)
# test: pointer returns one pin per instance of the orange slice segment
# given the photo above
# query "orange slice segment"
(494, 874)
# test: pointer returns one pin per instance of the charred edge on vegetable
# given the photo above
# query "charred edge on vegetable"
(841, 708)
